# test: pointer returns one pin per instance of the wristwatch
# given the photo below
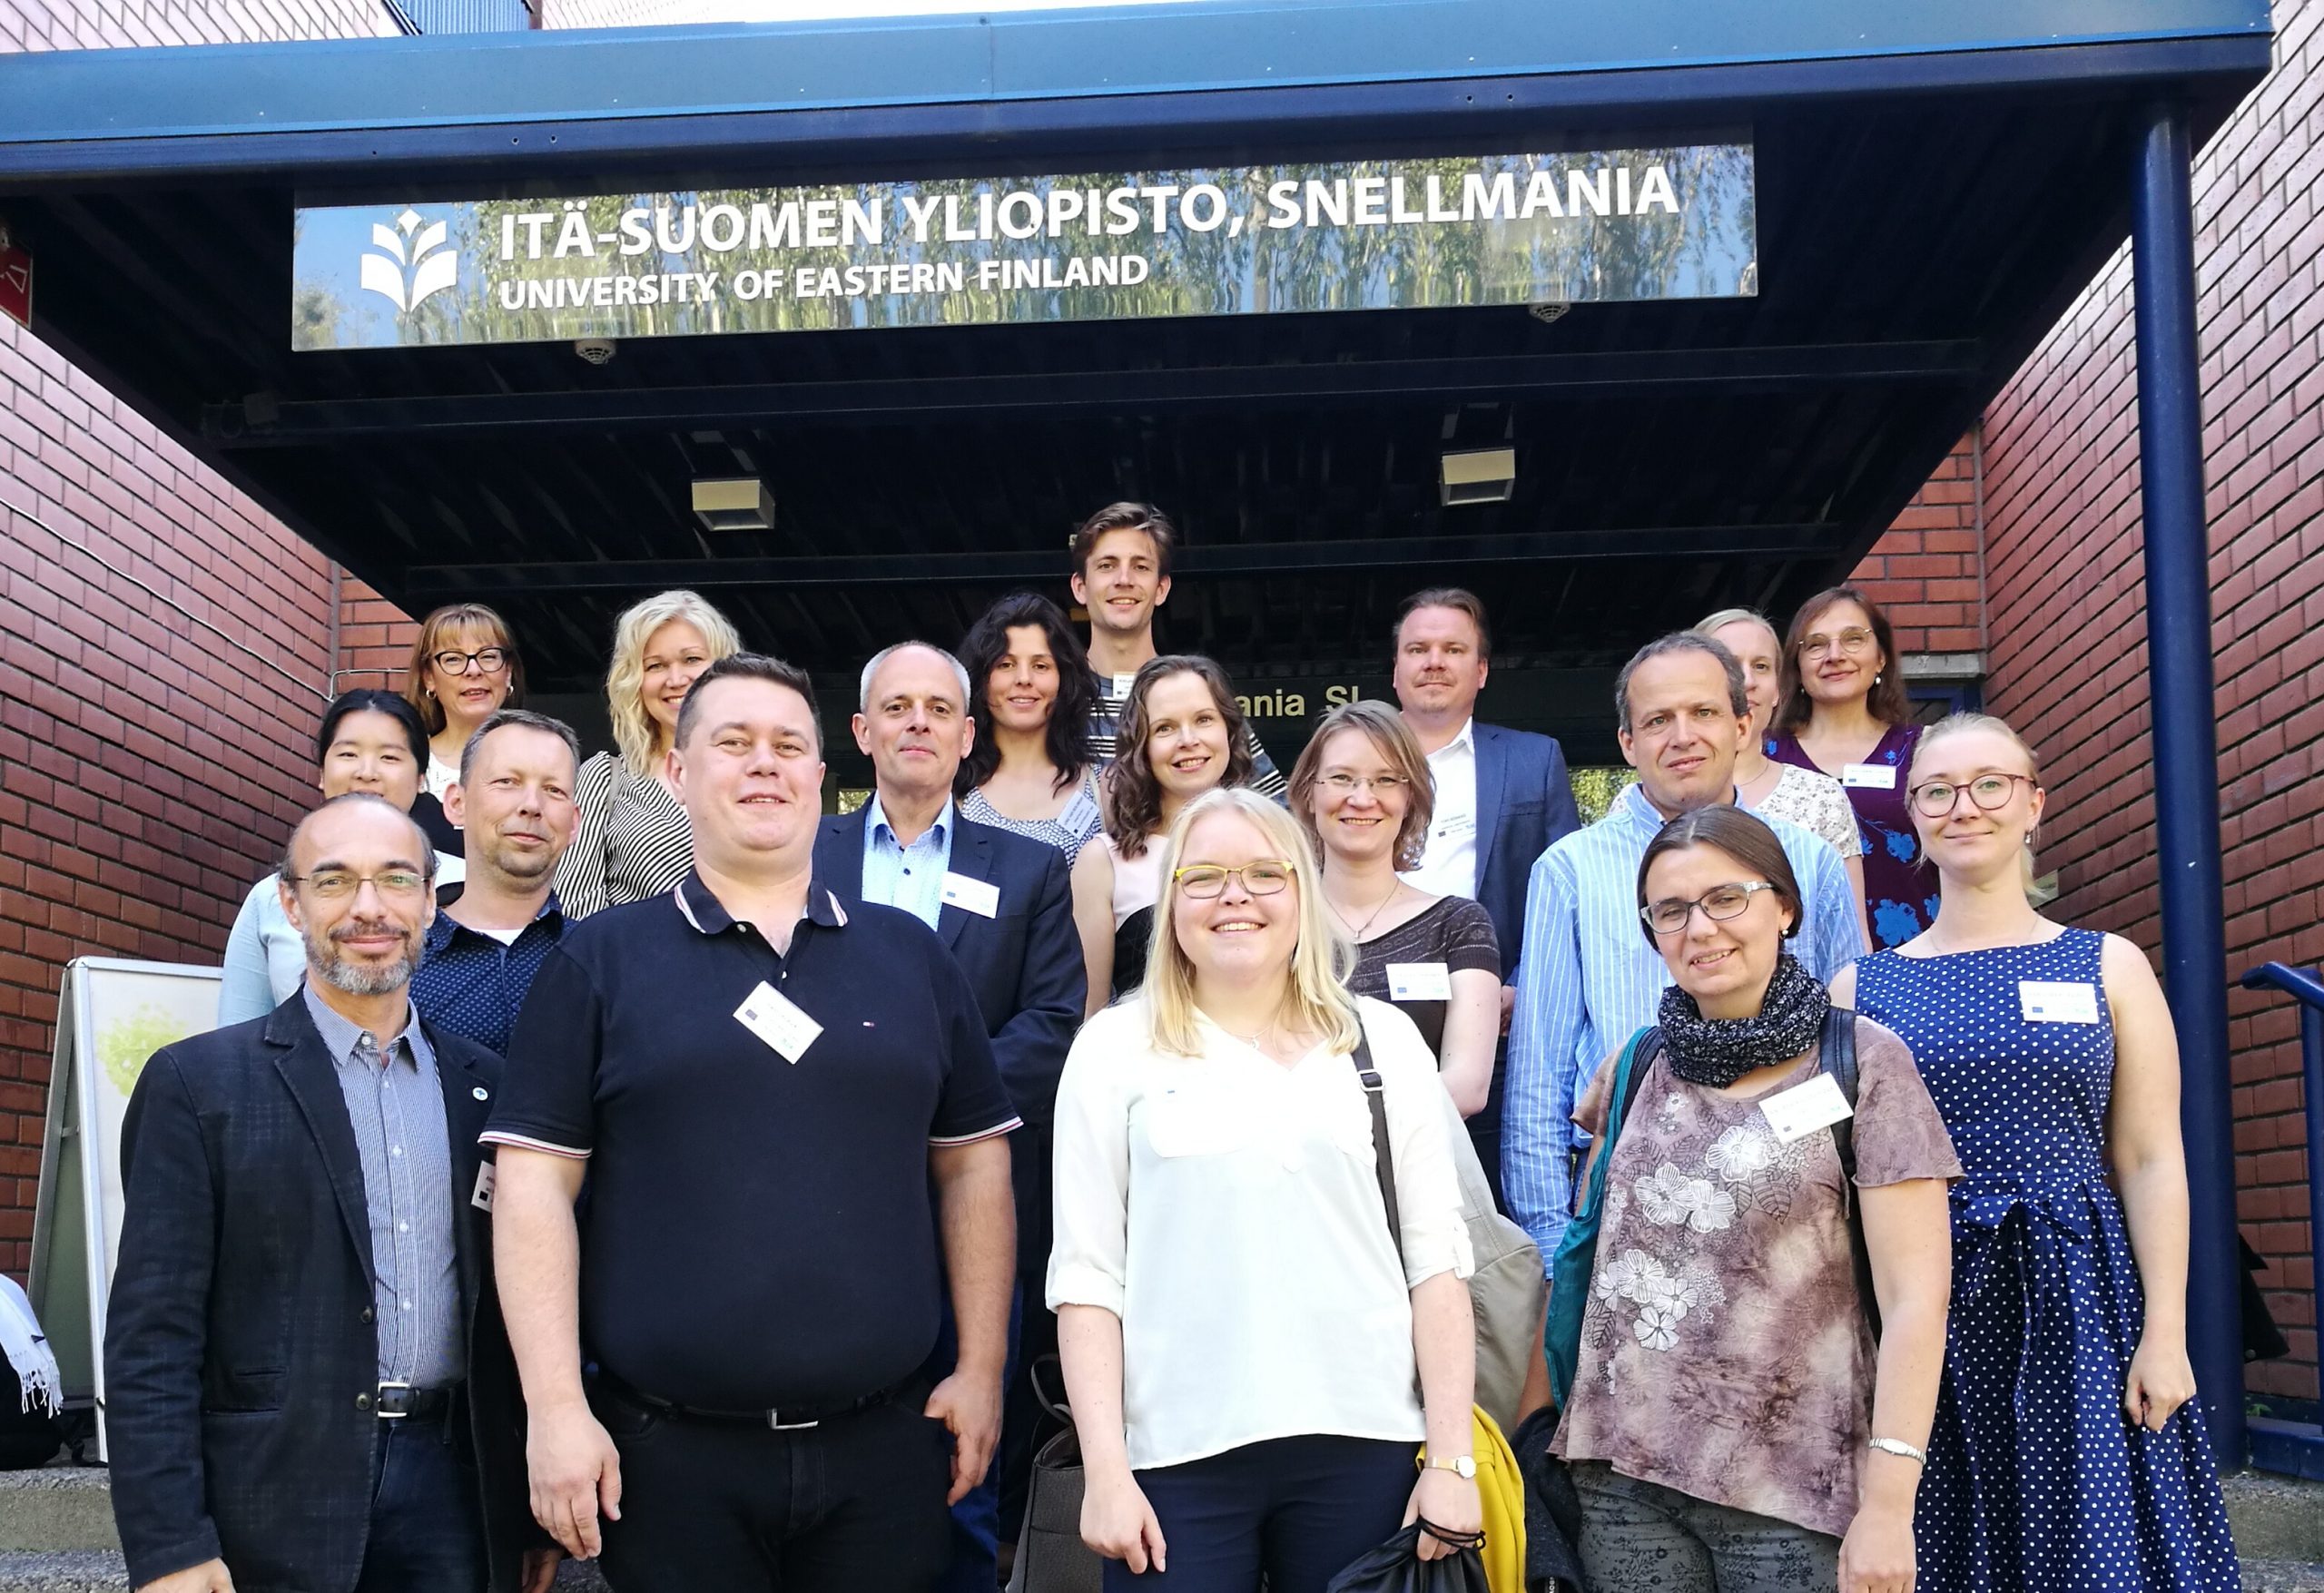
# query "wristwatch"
(1464, 1467)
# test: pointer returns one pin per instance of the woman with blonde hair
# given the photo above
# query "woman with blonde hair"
(465, 668)
(1253, 1340)
(631, 841)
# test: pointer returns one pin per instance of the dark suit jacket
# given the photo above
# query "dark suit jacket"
(1524, 802)
(240, 1334)
(1025, 964)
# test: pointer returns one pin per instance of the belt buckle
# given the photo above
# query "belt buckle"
(384, 1413)
(775, 1423)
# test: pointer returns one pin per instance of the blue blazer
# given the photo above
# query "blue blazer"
(240, 1334)
(1524, 802)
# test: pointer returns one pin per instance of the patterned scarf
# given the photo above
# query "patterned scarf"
(1717, 1051)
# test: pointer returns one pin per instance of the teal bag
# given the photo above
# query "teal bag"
(1577, 1255)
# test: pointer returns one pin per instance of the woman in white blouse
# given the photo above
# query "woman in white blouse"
(1240, 1334)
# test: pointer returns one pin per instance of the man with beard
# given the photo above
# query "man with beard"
(307, 1381)
(514, 805)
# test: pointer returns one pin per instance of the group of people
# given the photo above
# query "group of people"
(622, 1158)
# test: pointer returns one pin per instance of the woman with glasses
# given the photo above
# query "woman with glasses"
(464, 669)
(1843, 713)
(631, 840)
(2067, 1451)
(1181, 734)
(1361, 791)
(371, 742)
(1734, 1419)
(1251, 1354)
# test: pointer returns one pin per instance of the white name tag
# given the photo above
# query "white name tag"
(1869, 776)
(1457, 827)
(1801, 1110)
(1122, 684)
(981, 897)
(768, 1013)
(482, 1198)
(1418, 982)
(2047, 1001)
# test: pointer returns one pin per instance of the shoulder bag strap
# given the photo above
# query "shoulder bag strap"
(1382, 1160)
(1838, 1049)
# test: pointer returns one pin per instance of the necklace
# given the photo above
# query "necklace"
(1358, 933)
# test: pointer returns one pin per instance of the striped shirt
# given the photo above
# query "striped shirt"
(630, 840)
(1106, 729)
(1589, 979)
(397, 1109)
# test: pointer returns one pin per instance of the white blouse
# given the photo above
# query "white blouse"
(1228, 1209)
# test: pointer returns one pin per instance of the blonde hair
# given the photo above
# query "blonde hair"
(1317, 995)
(1710, 624)
(633, 729)
(1957, 723)
(434, 637)
(1393, 738)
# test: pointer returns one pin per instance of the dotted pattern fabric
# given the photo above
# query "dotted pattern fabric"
(2036, 1480)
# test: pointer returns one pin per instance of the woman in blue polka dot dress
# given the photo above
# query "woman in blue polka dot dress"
(2067, 1456)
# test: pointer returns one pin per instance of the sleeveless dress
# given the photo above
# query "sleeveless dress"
(2036, 1481)
(1069, 831)
(1899, 892)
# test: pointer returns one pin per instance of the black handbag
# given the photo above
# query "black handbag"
(1396, 1567)
(1050, 1555)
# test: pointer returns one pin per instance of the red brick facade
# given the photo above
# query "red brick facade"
(1926, 573)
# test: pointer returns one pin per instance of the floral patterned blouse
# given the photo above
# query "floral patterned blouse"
(1725, 1353)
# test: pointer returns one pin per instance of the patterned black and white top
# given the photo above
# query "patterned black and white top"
(1105, 733)
(632, 839)
(1068, 831)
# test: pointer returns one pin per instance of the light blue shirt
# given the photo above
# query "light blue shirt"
(265, 956)
(909, 877)
(1590, 978)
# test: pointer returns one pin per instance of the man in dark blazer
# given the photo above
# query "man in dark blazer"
(1502, 795)
(1002, 903)
(306, 1376)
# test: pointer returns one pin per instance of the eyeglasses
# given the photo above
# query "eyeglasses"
(338, 884)
(1205, 881)
(1342, 783)
(1851, 642)
(1719, 903)
(1937, 797)
(487, 660)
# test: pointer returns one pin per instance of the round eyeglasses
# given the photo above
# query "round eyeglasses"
(1934, 799)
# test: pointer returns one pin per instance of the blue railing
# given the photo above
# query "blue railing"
(2298, 1447)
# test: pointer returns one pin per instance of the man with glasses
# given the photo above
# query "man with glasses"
(307, 1381)
(1588, 979)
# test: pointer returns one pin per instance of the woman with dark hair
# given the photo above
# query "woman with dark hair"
(1182, 734)
(1732, 1417)
(464, 670)
(1843, 713)
(371, 741)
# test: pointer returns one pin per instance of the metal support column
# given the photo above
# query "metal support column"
(2186, 756)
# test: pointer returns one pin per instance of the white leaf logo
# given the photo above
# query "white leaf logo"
(413, 264)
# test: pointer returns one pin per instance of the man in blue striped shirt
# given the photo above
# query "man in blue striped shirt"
(1588, 979)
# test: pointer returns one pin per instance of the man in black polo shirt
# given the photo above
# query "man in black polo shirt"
(767, 1088)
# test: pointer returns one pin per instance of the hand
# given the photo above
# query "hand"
(209, 1577)
(576, 1471)
(1508, 1007)
(1877, 1556)
(1447, 1500)
(970, 1405)
(2160, 1380)
(1117, 1522)
(540, 1568)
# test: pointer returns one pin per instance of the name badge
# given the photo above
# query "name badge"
(1869, 776)
(482, 1198)
(1801, 1110)
(1122, 684)
(2048, 1001)
(981, 897)
(1418, 982)
(1457, 827)
(771, 1014)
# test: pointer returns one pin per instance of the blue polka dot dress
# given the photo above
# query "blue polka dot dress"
(2036, 1480)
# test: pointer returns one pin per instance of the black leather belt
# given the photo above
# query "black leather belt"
(399, 1402)
(779, 1420)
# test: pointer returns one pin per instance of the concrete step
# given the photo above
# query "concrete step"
(2281, 1575)
(62, 1571)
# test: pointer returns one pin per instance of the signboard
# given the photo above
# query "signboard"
(1602, 225)
(16, 284)
(112, 1015)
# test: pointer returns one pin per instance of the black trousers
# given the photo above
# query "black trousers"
(854, 1504)
(1293, 1509)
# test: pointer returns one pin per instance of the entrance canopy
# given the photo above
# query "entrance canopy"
(1931, 181)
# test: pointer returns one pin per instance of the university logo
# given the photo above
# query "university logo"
(414, 263)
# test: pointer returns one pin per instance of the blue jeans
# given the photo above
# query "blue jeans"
(427, 1523)
(976, 1519)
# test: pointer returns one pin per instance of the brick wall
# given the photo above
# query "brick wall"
(1927, 570)
(375, 638)
(153, 620)
(2068, 616)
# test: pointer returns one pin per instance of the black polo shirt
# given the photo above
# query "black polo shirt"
(758, 1232)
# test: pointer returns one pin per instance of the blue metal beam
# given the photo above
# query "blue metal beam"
(2186, 758)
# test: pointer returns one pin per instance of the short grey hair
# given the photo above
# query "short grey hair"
(287, 869)
(1675, 643)
(525, 719)
(864, 686)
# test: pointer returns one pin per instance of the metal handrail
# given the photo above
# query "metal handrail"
(2306, 987)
